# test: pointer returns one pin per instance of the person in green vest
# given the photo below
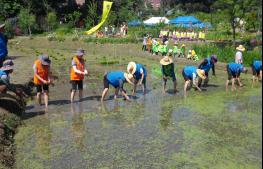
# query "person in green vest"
(161, 48)
(175, 50)
(168, 72)
(182, 51)
(155, 47)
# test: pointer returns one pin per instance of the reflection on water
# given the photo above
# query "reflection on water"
(158, 131)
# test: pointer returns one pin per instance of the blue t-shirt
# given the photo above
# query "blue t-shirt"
(190, 72)
(235, 68)
(208, 66)
(139, 70)
(3, 46)
(4, 78)
(257, 65)
(116, 79)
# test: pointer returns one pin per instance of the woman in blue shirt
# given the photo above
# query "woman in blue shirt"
(191, 75)
(206, 65)
(117, 80)
(139, 73)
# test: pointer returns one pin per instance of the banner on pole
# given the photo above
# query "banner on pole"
(106, 10)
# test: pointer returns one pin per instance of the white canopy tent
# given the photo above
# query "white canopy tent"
(156, 20)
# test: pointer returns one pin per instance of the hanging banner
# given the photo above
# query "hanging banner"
(106, 10)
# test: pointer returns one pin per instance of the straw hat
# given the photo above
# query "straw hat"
(166, 61)
(241, 48)
(201, 73)
(7, 65)
(2, 25)
(131, 68)
(129, 77)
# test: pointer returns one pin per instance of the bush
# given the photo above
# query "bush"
(226, 53)
(51, 20)
(111, 40)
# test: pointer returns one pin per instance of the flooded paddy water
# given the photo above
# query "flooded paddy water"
(211, 129)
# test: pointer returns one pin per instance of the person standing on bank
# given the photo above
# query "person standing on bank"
(239, 54)
(77, 74)
(139, 73)
(3, 45)
(42, 77)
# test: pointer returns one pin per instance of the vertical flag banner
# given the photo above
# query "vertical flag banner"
(106, 10)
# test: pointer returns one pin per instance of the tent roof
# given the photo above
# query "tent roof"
(135, 23)
(185, 20)
(156, 20)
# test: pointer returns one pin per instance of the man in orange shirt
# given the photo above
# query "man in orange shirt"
(77, 74)
(42, 77)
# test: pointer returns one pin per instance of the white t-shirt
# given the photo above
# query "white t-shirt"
(239, 57)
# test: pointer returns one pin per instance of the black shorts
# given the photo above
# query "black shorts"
(255, 72)
(41, 88)
(106, 82)
(230, 74)
(77, 84)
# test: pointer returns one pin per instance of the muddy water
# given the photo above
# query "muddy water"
(215, 130)
(212, 129)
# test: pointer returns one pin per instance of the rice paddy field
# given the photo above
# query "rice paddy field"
(212, 129)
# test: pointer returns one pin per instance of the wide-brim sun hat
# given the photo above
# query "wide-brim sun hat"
(2, 25)
(201, 73)
(7, 65)
(166, 61)
(241, 48)
(131, 68)
(45, 60)
(129, 78)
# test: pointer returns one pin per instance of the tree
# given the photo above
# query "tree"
(51, 20)
(92, 16)
(26, 21)
(233, 9)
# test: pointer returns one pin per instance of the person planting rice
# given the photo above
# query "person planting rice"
(5, 70)
(256, 67)
(139, 73)
(42, 78)
(206, 65)
(191, 75)
(168, 72)
(77, 74)
(117, 80)
(234, 70)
